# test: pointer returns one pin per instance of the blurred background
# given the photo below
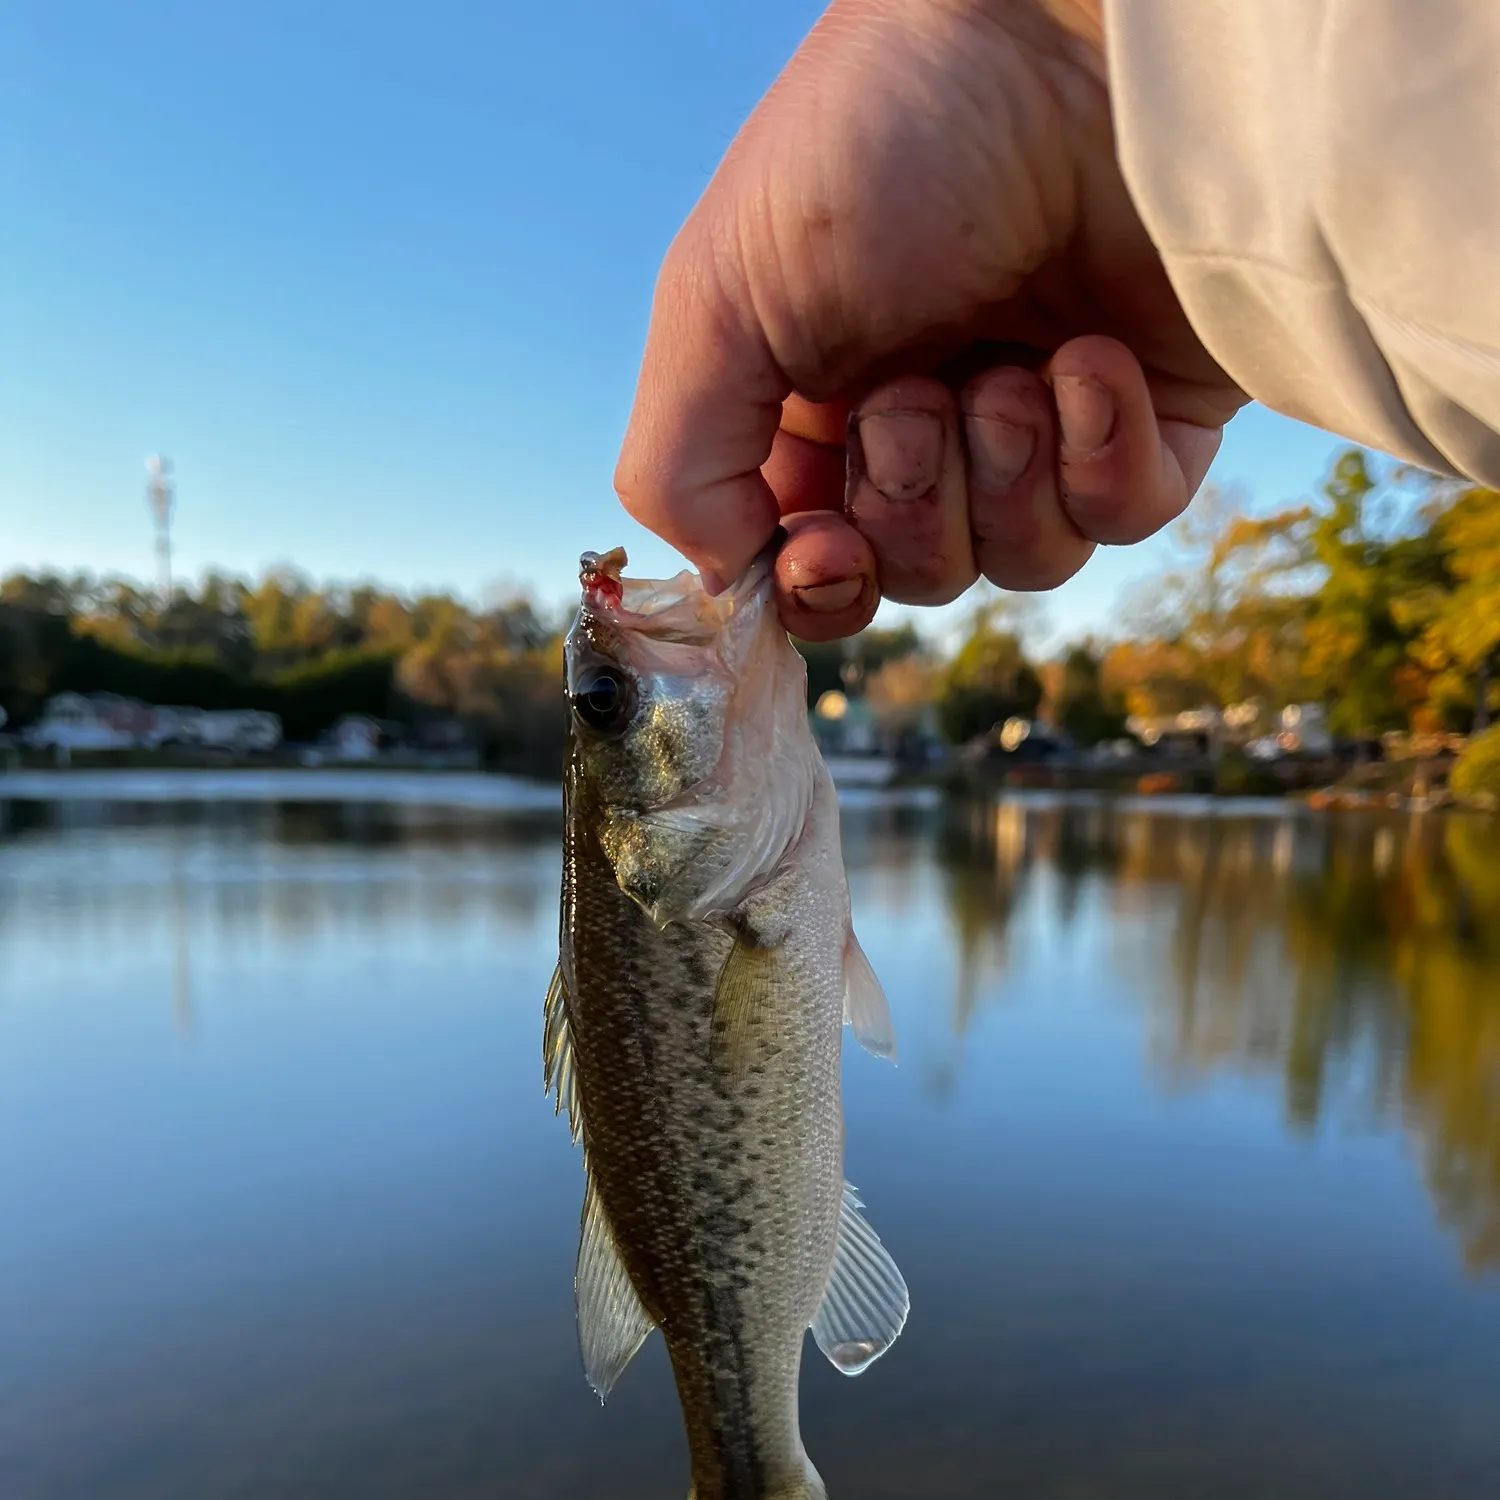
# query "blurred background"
(318, 328)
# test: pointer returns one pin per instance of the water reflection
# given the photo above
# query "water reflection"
(147, 876)
(1355, 959)
(1197, 1121)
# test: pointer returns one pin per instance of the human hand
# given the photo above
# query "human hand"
(916, 319)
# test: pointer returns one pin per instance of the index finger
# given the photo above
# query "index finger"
(706, 411)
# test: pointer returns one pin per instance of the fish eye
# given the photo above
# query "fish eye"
(604, 701)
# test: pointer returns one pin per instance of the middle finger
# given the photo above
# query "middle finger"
(908, 491)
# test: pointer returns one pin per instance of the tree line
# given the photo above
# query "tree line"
(307, 653)
(1379, 598)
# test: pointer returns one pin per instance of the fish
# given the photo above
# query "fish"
(707, 966)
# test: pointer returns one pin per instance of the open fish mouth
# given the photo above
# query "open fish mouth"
(673, 609)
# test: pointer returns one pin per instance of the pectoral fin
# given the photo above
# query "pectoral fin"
(865, 1304)
(866, 1009)
(612, 1324)
(744, 1009)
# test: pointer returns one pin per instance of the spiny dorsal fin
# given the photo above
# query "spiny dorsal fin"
(744, 1009)
(558, 1075)
(865, 1007)
(612, 1324)
(865, 1304)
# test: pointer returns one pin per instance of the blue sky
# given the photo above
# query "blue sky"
(375, 277)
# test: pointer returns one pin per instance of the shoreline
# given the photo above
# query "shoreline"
(492, 792)
(471, 791)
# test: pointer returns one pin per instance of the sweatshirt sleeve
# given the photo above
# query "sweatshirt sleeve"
(1322, 180)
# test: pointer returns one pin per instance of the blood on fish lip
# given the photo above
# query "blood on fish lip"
(599, 573)
(602, 586)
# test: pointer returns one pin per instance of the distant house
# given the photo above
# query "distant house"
(72, 722)
(106, 721)
(1304, 730)
(1016, 741)
(239, 729)
(439, 734)
(1304, 726)
(1191, 732)
(356, 737)
(844, 726)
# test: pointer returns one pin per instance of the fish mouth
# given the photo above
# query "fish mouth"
(669, 609)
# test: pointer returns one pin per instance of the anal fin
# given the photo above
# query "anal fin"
(612, 1324)
(865, 1304)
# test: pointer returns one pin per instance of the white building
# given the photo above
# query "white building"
(72, 722)
(105, 721)
(356, 737)
(239, 729)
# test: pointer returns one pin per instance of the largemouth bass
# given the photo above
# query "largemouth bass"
(693, 1025)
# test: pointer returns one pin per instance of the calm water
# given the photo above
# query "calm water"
(1192, 1162)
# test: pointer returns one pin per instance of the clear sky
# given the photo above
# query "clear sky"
(375, 277)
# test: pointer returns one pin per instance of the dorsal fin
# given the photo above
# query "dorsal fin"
(557, 1054)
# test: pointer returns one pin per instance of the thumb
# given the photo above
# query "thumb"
(707, 407)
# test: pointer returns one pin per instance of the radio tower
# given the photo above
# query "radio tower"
(159, 496)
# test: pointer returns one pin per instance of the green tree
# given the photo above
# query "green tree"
(1477, 771)
(1361, 630)
(988, 681)
(1083, 709)
(847, 665)
(1459, 617)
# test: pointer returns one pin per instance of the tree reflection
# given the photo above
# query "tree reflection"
(1367, 966)
(1354, 958)
(985, 860)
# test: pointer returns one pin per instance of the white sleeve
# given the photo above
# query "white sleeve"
(1322, 180)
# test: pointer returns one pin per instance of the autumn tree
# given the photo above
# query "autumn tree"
(1459, 614)
(1226, 624)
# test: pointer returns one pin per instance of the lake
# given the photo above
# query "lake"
(1191, 1159)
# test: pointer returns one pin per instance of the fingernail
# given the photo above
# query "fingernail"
(830, 598)
(1086, 414)
(903, 452)
(999, 451)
